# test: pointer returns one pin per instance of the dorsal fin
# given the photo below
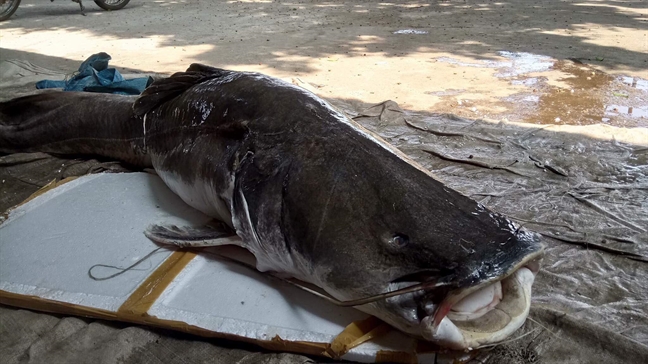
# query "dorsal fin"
(166, 89)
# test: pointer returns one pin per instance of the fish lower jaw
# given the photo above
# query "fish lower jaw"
(486, 316)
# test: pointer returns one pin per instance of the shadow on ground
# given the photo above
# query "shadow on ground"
(290, 34)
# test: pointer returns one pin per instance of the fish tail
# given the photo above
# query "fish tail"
(74, 123)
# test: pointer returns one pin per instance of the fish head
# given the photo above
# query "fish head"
(371, 222)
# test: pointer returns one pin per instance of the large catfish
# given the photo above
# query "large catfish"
(309, 192)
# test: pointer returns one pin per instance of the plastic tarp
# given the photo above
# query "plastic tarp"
(585, 188)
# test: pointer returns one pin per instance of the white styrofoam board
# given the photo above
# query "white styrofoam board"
(48, 244)
(225, 297)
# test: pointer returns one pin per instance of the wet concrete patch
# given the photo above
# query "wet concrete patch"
(411, 31)
(447, 92)
(633, 112)
(581, 103)
(590, 97)
(526, 82)
(517, 63)
(478, 64)
(523, 63)
(635, 82)
(554, 92)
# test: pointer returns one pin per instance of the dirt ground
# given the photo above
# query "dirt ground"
(452, 56)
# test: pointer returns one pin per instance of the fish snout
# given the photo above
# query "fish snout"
(477, 316)
(469, 305)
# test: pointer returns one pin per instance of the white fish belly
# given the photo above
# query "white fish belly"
(200, 195)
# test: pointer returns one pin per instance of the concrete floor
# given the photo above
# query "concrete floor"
(349, 50)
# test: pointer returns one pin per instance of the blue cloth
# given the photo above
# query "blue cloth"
(95, 76)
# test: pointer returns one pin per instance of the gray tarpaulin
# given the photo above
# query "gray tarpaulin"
(585, 188)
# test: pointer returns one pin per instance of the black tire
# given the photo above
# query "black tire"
(13, 6)
(111, 4)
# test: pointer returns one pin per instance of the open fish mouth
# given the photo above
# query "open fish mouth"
(480, 315)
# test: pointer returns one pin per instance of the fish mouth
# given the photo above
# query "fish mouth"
(480, 315)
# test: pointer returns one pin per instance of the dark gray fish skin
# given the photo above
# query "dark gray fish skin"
(73, 123)
(309, 192)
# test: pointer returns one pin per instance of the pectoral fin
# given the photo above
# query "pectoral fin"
(213, 234)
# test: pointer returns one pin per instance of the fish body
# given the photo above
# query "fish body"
(311, 194)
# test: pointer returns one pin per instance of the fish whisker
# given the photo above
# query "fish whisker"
(370, 299)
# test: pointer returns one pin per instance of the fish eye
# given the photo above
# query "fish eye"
(399, 240)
